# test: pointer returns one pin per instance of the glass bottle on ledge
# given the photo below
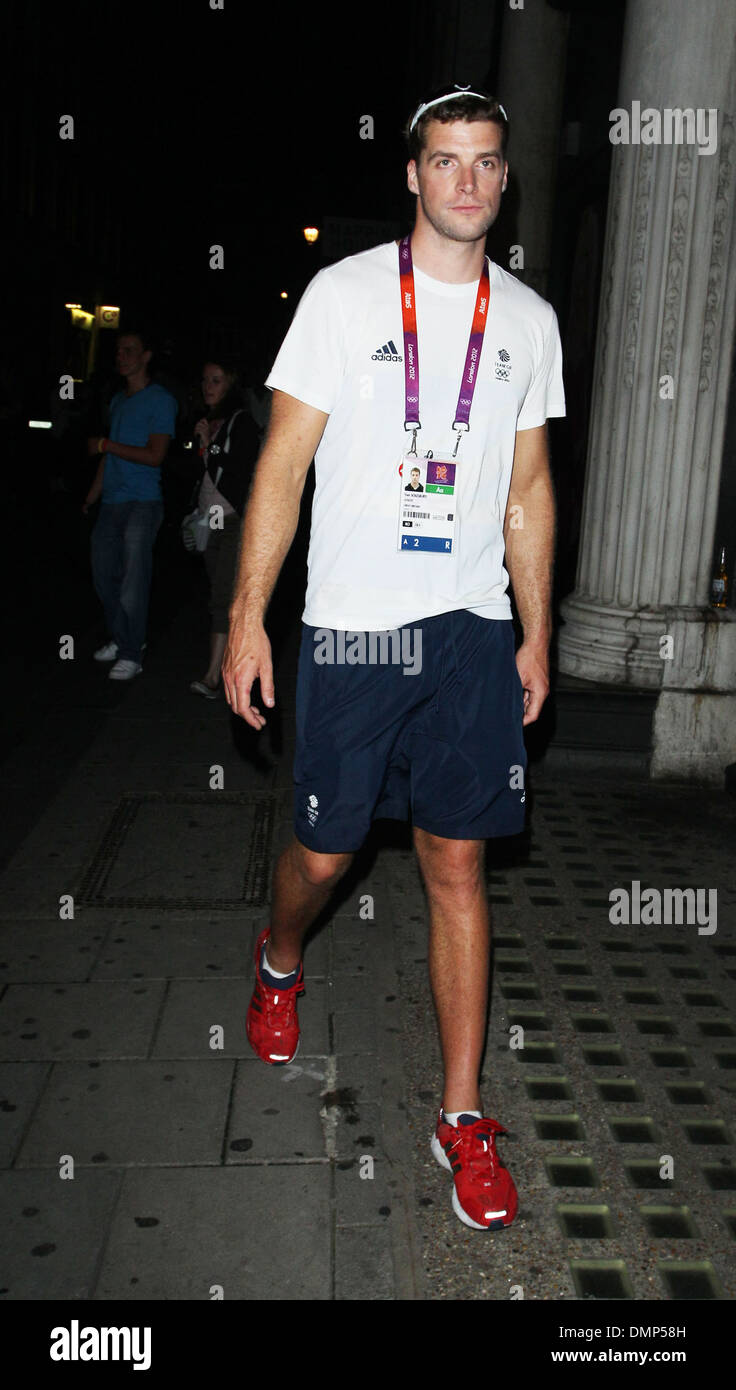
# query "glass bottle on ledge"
(719, 582)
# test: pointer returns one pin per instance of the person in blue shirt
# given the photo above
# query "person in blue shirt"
(142, 423)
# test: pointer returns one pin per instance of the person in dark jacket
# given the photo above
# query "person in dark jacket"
(228, 445)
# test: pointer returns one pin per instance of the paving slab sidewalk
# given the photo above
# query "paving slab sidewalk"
(147, 1154)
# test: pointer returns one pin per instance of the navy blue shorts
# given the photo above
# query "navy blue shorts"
(444, 745)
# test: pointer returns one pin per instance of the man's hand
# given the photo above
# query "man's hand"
(268, 529)
(95, 490)
(93, 445)
(247, 658)
(529, 532)
(532, 663)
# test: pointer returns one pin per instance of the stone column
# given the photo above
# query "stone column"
(663, 355)
(531, 81)
(460, 41)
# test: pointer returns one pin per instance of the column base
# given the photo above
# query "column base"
(617, 646)
(693, 736)
(674, 648)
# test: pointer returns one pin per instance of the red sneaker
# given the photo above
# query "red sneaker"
(484, 1195)
(271, 1023)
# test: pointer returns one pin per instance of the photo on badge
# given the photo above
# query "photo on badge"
(414, 476)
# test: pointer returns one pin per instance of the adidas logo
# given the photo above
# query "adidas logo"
(387, 353)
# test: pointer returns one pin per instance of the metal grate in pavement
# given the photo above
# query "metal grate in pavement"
(174, 851)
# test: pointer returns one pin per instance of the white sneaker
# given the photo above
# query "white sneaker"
(107, 653)
(125, 670)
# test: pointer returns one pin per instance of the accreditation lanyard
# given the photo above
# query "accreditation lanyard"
(411, 347)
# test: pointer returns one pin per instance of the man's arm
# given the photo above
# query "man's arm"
(95, 491)
(270, 522)
(529, 533)
(153, 454)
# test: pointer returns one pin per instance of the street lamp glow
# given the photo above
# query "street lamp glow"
(311, 233)
(284, 295)
(72, 306)
(107, 315)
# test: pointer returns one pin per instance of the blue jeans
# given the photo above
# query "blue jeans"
(122, 561)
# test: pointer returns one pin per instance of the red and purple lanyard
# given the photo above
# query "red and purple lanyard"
(411, 347)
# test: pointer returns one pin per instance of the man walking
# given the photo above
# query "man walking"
(466, 407)
(142, 422)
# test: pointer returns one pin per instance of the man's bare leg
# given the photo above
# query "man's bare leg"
(459, 955)
(302, 884)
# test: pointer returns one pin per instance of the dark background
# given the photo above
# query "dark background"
(239, 127)
(195, 127)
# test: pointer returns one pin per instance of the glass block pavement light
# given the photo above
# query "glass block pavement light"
(621, 1104)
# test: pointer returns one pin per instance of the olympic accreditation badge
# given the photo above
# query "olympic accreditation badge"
(427, 501)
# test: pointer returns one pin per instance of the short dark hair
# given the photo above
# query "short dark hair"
(135, 331)
(466, 107)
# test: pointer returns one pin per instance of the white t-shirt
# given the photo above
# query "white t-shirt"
(344, 354)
